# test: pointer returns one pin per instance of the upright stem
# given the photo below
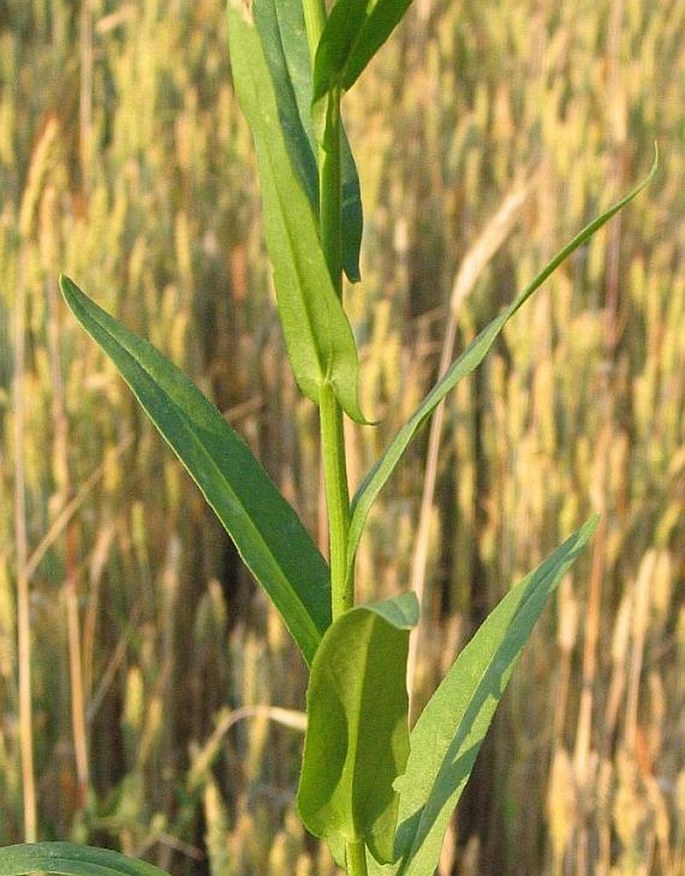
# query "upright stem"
(23, 587)
(332, 432)
(356, 859)
(63, 478)
(86, 95)
(331, 415)
(337, 498)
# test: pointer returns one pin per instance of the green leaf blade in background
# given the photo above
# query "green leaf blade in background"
(354, 31)
(284, 42)
(466, 363)
(321, 346)
(267, 532)
(68, 859)
(449, 732)
(357, 739)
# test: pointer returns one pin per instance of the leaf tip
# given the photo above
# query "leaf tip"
(655, 162)
(591, 523)
(68, 288)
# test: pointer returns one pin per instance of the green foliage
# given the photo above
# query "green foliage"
(469, 360)
(270, 537)
(354, 32)
(67, 859)
(450, 731)
(284, 42)
(357, 740)
(320, 343)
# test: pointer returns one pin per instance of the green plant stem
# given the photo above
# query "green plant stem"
(337, 499)
(356, 859)
(332, 431)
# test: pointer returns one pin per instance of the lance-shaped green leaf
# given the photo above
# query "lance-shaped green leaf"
(469, 360)
(71, 860)
(453, 725)
(357, 738)
(268, 534)
(320, 343)
(284, 41)
(354, 31)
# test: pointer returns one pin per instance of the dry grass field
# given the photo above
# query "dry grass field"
(487, 133)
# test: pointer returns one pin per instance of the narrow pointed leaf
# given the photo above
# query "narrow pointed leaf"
(321, 346)
(357, 738)
(71, 860)
(268, 534)
(469, 360)
(354, 31)
(284, 41)
(451, 728)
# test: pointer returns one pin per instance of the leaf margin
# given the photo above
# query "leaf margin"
(524, 603)
(367, 33)
(306, 609)
(319, 338)
(342, 734)
(466, 363)
(69, 859)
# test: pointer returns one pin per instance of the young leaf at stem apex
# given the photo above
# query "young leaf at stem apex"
(321, 346)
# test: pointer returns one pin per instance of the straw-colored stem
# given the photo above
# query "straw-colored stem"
(61, 455)
(86, 95)
(23, 596)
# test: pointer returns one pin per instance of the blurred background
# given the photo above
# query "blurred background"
(487, 133)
